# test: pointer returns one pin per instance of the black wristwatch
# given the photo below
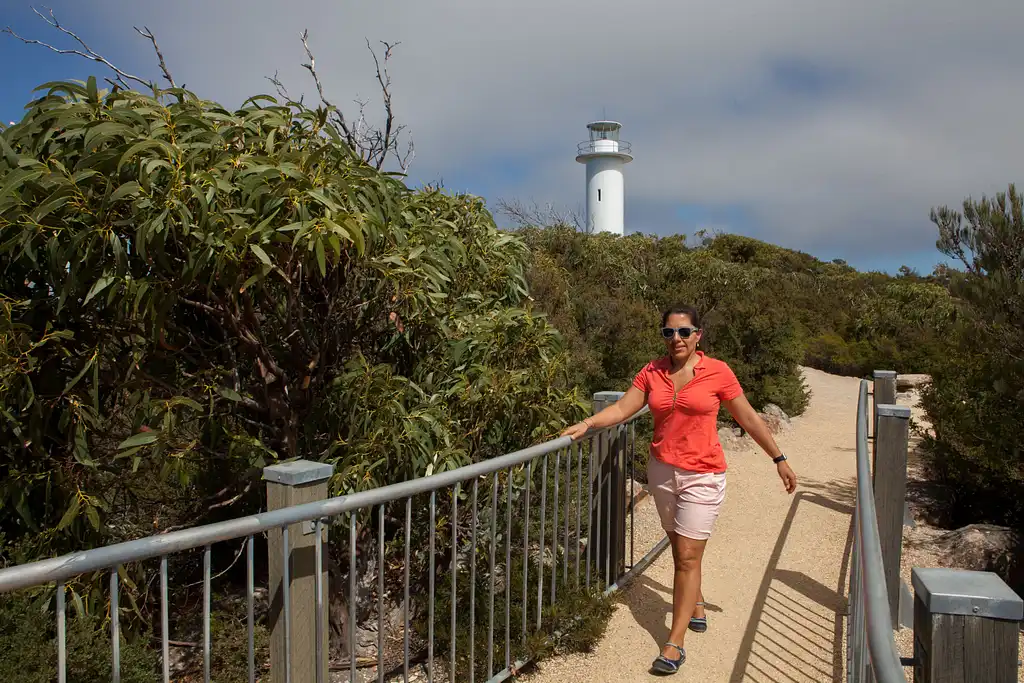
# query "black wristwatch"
(779, 459)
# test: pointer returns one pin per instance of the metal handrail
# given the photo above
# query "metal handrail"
(590, 147)
(535, 459)
(870, 643)
(68, 566)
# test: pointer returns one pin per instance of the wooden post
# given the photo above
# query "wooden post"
(288, 484)
(890, 489)
(883, 393)
(965, 627)
(610, 486)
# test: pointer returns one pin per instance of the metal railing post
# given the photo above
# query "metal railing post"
(890, 489)
(966, 626)
(295, 654)
(883, 392)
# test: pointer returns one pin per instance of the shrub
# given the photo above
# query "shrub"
(976, 396)
(28, 631)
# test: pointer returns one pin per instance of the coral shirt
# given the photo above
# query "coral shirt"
(686, 424)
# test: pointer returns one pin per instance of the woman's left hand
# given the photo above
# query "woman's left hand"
(787, 476)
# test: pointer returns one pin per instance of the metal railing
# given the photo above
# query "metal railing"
(563, 532)
(871, 653)
(600, 146)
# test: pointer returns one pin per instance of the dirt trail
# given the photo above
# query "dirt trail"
(774, 576)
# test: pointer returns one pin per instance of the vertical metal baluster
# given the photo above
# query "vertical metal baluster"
(286, 594)
(554, 527)
(62, 654)
(405, 609)
(472, 587)
(318, 582)
(455, 572)
(508, 571)
(206, 614)
(606, 545)
(852, 601)
(590, 506)
(494, 547)
(855, 601)
(632, 493)
(526, 550)
(352, 596)
(430, 594)
(568, 507)
(380, 593)
(250, 594)
(540, 546)
(599, 545)
(165, 636)
(115, 630)
(579, 504)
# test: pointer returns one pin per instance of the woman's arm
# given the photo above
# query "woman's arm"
(751, 422)
(620, 411)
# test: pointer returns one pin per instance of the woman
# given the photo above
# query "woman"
(686, 467)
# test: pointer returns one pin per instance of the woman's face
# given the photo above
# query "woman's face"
(677, 344)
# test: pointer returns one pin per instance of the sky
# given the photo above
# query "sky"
(829, 126)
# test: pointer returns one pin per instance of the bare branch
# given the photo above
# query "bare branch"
(526, 216)
(311, 68)
(146, 33)
(384, 78)
(373, 145)
(86, 52)
(282, 91)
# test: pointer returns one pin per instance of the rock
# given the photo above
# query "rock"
(983, 547)
(729, 437)
(775, 417)
(911, 382)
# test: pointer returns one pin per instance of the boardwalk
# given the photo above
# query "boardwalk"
(774, 574)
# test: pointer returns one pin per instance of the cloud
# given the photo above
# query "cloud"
(823, 125)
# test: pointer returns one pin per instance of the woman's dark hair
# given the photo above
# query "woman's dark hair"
(689, 311)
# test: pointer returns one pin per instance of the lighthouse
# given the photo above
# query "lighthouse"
(604, 155)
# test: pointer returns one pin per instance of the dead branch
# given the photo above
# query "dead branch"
(282, 91)
(146, 33)
(311, 68)
(86, 52)
(537, 216)
(373, 145)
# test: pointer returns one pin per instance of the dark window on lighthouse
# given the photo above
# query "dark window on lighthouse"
(599, 195)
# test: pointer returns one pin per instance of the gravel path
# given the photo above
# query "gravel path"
(774, 576)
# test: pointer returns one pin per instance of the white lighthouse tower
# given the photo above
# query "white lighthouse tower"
(605, 155)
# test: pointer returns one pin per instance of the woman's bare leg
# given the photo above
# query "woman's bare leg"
(686, 555)
(698, 611)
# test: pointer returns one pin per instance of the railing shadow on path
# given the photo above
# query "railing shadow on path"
(795, 631)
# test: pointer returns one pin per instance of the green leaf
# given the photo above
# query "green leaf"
(230, 394)
(321, 257)
(94, 517)
(140, 439)
(71, 513)
(132, 187)
(260, 254)
(102, 283)
(81, 373)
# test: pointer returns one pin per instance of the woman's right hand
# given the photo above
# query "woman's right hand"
(577, 431)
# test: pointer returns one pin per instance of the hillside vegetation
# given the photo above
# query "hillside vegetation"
(765, 309)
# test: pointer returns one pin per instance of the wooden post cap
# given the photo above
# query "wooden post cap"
(298, 472)
(966, 593)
